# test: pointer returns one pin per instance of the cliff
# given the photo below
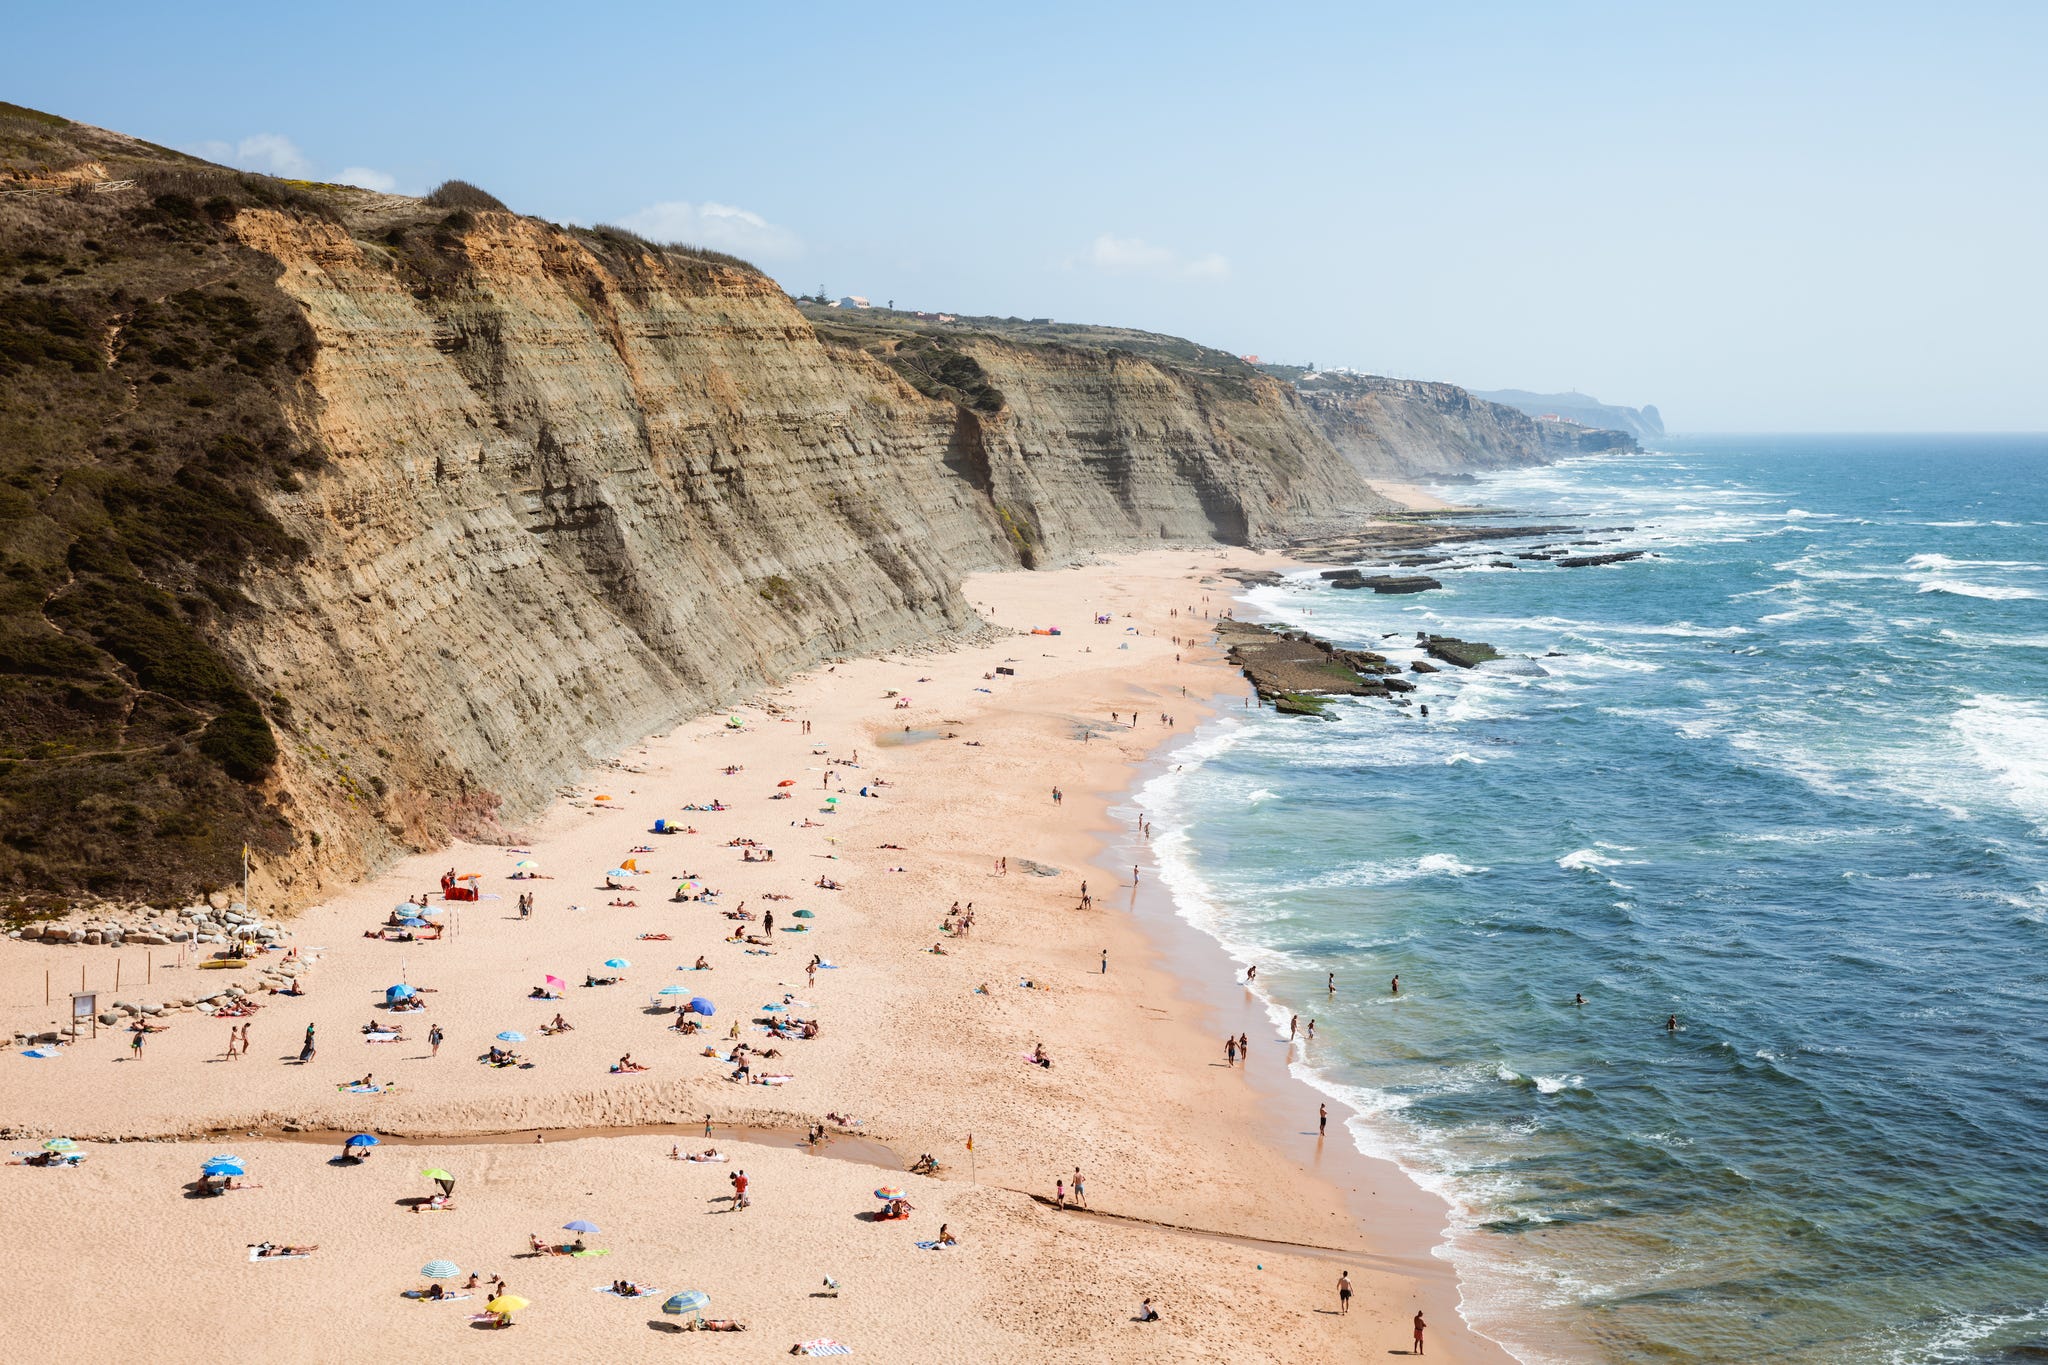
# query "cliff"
(1412, 429)
(1643, 423)
(334, 522)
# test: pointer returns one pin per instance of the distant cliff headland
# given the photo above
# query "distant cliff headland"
(333, 523)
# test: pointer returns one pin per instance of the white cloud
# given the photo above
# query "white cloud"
(367, 179)
(1125, 254)
(271, 153)
(720, 226)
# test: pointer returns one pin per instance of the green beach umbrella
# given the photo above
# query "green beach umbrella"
(59, 1144)
(689, 1301)
(805, 914)
(440, 1270)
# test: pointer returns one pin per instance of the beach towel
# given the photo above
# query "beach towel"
(256, 1255)
(773, 1080)
(936, 1246)
(362, 1089)
(823, 1346)
(720, 1157)
(382, 1038)
(828, 966)
(592, 1251)
(644, 1292)
(421, 1295)
(41, 1053)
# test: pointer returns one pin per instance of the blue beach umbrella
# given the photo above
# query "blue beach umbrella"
(222, 1168)
(511, 1036)
(59, 1144)
(620, 873)
(616, 962)
(673, 990)
(412, 922)
(400, 992)
(361, 1140)
(689, 1301)
(699, 1005)
(579, 1226)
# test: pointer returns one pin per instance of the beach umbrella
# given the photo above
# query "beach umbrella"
(440, 1270)
(505, 1303)
(222, 1168)
(361, 1140)
(225, 1157)
(59, 1144)
(429, 911)
(888, 1192)
(399, 992)
(805, 914)
(699, 1005)
(556, 982)
(689, 1301)
(412, 922)
(787, 782)
(618, 872)
(511, 1036)
(405, 908)
(527, 863)
(673, 990)
(831, 800)
(440, 1177)
(616, 962)
(579, 1225)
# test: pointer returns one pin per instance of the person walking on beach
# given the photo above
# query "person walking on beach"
(1055, 796)
(1419, 1325)
(1322, 1120)
(1105, 962)
(306, 1049)
(1134, 874)
(234, 1036)
(1230, 1050)
(1333, 983)
(1059, 1194)
(1344, 1293)
(135, 1046)
(245, 1040)
(1293, 1027)
(434, 1036)
(1244, 1047)
(1080, 1193)
(1311, 1036)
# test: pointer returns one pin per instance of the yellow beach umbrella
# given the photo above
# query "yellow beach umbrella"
(505, 1303)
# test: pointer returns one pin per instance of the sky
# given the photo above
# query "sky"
(1774, 217)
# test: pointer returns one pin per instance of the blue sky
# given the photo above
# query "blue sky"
(1757, 216)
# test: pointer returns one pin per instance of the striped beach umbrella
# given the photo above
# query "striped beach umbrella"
(440, 1270)
(689, 1301)
(59, 1144)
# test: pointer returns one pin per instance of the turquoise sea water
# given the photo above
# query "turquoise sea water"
(1788, 780)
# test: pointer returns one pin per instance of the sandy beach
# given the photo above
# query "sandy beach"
(912, 777)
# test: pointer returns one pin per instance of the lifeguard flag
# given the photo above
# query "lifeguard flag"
(970, 1142)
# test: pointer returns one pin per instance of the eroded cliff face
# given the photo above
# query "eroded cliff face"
(1097, 448)
(1413, 429)
(576, 490)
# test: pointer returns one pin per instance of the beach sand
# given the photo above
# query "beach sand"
(1175, 1145)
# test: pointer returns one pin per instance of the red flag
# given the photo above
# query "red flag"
(970, 1142)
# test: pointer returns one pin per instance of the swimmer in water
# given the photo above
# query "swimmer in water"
(1578, 999)
(1671, 1024)
(1397, 983)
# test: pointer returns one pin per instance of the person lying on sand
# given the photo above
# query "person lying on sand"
(274, 1249)
(630, 905)
(654, 938)
(602, 980)
(718, 1325)
(435, 1204)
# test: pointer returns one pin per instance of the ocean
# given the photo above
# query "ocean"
(1787, 780)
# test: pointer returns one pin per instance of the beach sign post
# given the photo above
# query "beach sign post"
(83, 1007)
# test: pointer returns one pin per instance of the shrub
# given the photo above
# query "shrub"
(460, 194)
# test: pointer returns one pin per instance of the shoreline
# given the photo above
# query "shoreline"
(1134, 1094)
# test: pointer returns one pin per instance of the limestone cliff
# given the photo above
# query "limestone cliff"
(505, 496)
(1402, 429)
